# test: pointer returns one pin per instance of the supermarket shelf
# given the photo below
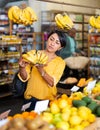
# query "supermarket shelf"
(5, 94)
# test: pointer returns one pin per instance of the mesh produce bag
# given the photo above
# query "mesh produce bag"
(78, 62)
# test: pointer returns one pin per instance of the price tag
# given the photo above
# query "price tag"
(4, 114)
(41, 106)
(25, 106)
(75, 89)
(91, 85)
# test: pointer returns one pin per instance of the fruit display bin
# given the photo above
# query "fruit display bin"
(94, 126)
(93, 96)
(66, 88)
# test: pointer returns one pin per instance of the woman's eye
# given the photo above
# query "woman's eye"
(51, 39)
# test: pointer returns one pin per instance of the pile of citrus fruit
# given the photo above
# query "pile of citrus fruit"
(62, 114)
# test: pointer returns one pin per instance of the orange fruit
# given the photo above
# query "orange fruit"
(32, 113)
(9, 117)
(17, 116)
(64, 96)
(25, 114)
(69, 100)
(30, 117)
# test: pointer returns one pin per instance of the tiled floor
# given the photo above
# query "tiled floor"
(15, 104)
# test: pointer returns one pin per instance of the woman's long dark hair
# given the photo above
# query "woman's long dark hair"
(61, 35)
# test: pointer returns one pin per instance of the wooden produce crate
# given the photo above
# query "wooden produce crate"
(94, 96)
(94, 126)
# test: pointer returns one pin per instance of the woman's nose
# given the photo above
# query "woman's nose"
(53, 42)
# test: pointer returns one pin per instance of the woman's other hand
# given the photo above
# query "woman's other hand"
(22, 63)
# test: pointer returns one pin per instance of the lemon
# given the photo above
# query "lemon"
(85, 123)
(47, 116)
(62, 103)
(91, 118)
(75, 120)
(65, 116)
(63, 125)
(74, 111)
(66, 109)
(79, 127)
(54, 108)
(84, 112)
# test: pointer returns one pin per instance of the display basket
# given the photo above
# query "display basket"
(94, 97)
(77, 62)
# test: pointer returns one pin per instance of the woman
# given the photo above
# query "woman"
(42, 80)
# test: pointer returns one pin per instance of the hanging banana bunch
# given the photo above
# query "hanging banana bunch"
(95, 22)
(63, 21)
(20, 15)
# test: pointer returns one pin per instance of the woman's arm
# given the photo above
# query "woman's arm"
(46, 76)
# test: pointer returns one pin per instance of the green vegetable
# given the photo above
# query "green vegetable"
(78, 103)
(97, 111)
(87, 99)
(92, 106)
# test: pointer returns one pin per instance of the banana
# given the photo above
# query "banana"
(92, 21)
(44, 61)
(42, 57)
(58, 23)
(97, 24)
(16, 12)
(10, 11)
(28, 58)
(27, 16)
(68, 21)
(64, 21)
(33, 14)
(33, 55)
(38, 55)
(24, 16)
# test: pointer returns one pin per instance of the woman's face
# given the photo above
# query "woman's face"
(53, 43)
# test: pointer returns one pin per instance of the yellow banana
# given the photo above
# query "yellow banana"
(25, 17)
(33, 54)
(10, 11)
(43, 55)
(33, 14)
(27, 14)
(38, 55)
(92, 21)
(28, 58)
(58, 23)
(16, 12)
(67, 20)
(44, 61)
(63, 21)
(97, 24)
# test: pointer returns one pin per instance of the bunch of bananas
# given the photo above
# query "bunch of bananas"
(95, 22)
(63, 21)
(24, 16)
(35, 57)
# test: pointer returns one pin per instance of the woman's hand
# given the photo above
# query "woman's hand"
(22, 63)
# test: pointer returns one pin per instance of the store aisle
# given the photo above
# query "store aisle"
(15, 104)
